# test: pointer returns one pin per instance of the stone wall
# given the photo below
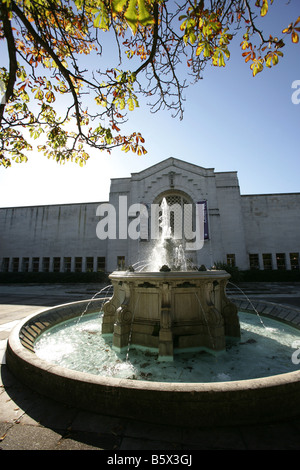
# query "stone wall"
(35, 238)
(272, 227)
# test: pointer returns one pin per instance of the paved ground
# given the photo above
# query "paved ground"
(29, 421)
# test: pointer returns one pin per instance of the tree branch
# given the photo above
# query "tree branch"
(154, 44)
(65, 73)
(13, 64)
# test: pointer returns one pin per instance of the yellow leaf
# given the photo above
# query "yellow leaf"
(137, 13)
(130, 104)
(118, 5)
(256, 67)
(295, 37)
(221, 61)
(132, 16)
(101, 20)
(126, 148)
(50, 97)
(200, 48)
(264, 8)
(144, 16)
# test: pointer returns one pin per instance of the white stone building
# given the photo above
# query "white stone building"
(248, 231)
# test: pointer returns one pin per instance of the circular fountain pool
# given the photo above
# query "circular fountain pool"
(181, 392)
(266, 348)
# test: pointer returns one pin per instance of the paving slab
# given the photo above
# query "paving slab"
(87, 441)
(22, 437)
(278, 436)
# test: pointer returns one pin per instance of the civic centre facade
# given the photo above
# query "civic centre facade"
(247, 231)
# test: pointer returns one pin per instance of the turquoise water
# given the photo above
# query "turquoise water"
(265, 349)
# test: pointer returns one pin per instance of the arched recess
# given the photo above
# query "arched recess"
(181, 208)
(173, 196)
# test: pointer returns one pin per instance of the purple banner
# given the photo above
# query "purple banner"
(206, 231)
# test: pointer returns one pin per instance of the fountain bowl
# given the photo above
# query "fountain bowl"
(184, 404)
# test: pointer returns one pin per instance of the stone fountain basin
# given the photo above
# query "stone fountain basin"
(185, 404)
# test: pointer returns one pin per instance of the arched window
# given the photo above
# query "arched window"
(181, 209)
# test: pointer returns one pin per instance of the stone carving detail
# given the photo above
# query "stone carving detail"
(123, 315)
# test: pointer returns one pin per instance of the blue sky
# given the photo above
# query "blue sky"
(232, 122)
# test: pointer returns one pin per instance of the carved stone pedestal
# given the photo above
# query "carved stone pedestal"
(169, 312)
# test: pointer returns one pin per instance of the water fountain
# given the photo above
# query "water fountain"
(166, 315)
(169, 309)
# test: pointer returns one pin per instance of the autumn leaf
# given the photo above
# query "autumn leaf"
(295, 37)
(257, 66)
(50, 97)
(264, 8)
(130, 104)
(136, 13)
(200, 48)
(118, 5)
(115, 127)
(293, 30)
(101, 17)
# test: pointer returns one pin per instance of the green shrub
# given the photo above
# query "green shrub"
(52, 278)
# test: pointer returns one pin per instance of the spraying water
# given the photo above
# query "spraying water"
(249, 300)
(167, 250)
(107, 289)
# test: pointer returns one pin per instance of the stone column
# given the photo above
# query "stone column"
(122, 328)
(165, 332)
(123, 324)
